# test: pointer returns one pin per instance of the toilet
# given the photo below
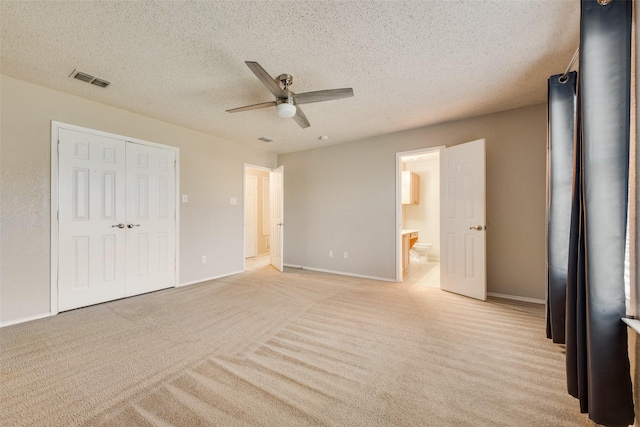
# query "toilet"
(422, 251)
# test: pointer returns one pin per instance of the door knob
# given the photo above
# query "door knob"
(479, 228)
(118, 225)
(133, 225)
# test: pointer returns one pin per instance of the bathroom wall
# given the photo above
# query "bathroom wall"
(425, 216)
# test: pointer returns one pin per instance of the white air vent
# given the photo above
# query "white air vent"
(266, 139)
(89, 78)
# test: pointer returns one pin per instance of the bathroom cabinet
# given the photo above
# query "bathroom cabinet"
(410, 188)
(409, 238)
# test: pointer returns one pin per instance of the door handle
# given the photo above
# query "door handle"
(478, 228)
(133, 225)
(280, 225)
(118, 225)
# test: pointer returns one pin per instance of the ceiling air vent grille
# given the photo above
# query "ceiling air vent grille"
(89, 78)
(100, 82)
(266, 139)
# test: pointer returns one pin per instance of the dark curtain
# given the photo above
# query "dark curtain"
(598, 371)
(562, 112)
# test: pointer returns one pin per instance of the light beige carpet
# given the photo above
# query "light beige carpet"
(287, 349)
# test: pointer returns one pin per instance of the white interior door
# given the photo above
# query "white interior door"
(251, 216)
(91, 219)
(462, 218)
(151, 222)
(276, 208)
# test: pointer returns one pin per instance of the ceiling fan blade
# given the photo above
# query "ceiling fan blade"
(300, 118)
(252, 107)
(323, 95)
(266, 79)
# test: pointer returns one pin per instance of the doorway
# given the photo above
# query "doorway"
(461, 248)
(263, 216)
(256, 212)
(418, 213)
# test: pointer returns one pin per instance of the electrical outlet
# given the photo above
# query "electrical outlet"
(346, 255)
(204, 259)
(185, 198)
(330, 254)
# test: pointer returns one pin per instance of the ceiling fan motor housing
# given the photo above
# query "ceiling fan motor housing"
(285, 80)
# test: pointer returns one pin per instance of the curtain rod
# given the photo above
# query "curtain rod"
(563, 78)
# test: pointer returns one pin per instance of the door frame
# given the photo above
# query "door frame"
(55, 127)
(399, 156)
(246, 166)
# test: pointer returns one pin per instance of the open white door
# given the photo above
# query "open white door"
(276, 208)
(462, 220)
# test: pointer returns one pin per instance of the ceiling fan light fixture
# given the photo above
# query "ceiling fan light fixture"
(286, 110)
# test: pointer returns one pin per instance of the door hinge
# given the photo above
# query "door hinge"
(58, 147)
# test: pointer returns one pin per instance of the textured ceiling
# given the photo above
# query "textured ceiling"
(410, 64)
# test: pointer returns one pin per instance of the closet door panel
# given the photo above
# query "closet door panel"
(150, 218)
(91, 216)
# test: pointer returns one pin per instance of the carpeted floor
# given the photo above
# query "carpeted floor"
(287, 349)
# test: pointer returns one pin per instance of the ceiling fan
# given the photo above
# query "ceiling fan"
(287, 102)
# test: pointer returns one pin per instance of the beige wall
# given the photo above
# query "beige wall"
(342, 198)
(211, 173)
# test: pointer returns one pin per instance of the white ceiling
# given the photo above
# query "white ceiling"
(410, 63)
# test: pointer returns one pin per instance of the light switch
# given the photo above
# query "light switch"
(185, 198)
(234, 200)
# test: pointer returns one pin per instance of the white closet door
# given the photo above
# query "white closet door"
(150, 218)
(91, 219)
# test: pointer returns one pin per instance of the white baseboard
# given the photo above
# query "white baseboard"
(25, 319)
(43, 315)
(516, 298)
(341, 273)
(195, 282)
